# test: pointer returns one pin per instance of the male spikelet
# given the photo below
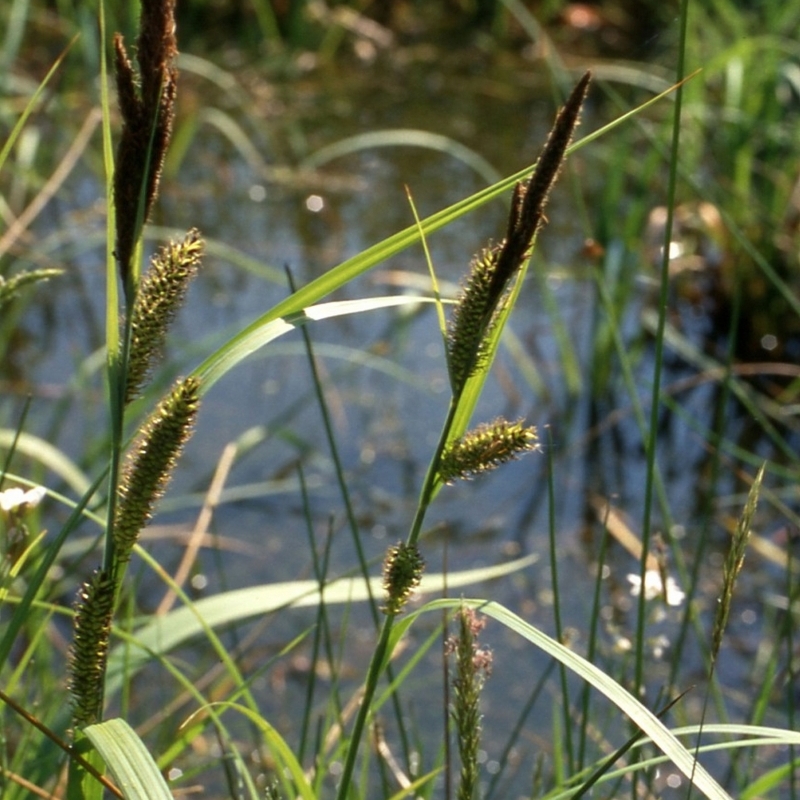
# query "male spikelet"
(150, 463)
(473, 666)
(492, 271)
(147, 104)
(402, 571)
(87, 662)
(485, 448)
(160, 295)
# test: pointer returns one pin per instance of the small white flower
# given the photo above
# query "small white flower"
(654, 587)
(17, 500)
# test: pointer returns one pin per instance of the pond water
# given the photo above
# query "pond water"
(239, 181)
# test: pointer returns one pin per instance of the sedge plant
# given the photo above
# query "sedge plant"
(140, 307)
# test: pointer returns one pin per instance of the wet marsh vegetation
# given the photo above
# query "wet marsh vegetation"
(298, 292)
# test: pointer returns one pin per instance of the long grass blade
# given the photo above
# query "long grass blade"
(31, 104)
(645, 719)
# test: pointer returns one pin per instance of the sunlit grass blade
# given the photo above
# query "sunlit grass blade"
(48, 456)
(269, 327)
(440, 316)
(751, 736)
(129, 761)
(645, 719)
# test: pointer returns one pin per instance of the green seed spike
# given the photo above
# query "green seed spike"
(734, 562)
(469, 329)
(485, 448)
(473, 666)
(402, 571)
(161, 293)
(151, 461)
(94, 607)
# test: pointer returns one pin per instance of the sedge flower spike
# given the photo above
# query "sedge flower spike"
(402, 572)
(485, 448)
(473, 666)
(147, 106)
(161, 293)
(89, 653)
(151, 461)
(493, 270)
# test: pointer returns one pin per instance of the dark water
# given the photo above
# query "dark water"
(387, 412)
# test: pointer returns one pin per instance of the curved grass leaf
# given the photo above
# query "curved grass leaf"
(31, 104)
(404, 137)
(754, 736)
(268, 328)
(133, 768)
(48, 456)
(641, 716)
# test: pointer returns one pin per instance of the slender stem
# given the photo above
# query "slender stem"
(117, 377)
(426, 496)
(658, 354)
(431, 482)
(373, 675)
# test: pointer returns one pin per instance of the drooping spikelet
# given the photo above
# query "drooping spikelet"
(147, 103)
(485, 448)
(402, 571)
(160, 295)
(87, 663)
(151, 461)
(493, 270)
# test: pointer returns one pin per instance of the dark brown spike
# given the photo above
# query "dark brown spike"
(147, 115)
(525, 221)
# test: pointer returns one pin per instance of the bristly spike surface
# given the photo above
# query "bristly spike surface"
(161, 293)
(491, 273)
(151, 462)
(485, 448)
(402, 572)
(87, 660)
